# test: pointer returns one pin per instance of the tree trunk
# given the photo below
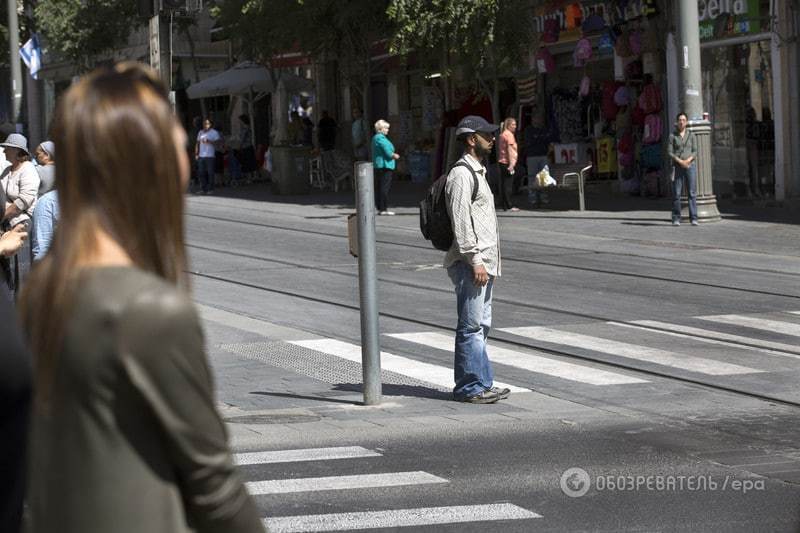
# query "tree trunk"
(195, 65)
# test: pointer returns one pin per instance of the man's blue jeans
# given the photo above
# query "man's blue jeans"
(689, 176)
(205, 172)
(472, 369)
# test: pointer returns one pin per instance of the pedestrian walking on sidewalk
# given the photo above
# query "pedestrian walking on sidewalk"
(205, 152)
(326, 132)
(20, 184)
(45, 155)
(125, 436)
(683, 154)
(507, 157)
(384, 162)
(473, 262)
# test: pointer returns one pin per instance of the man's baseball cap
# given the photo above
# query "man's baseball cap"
(473, 124)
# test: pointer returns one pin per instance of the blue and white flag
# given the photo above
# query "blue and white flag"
(31, 55)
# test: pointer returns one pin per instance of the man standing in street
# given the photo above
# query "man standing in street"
(205, 153)
(473, 261)
(682, 151)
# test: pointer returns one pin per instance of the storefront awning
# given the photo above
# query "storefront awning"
(244, 78)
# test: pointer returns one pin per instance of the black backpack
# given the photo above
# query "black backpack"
(434, 220)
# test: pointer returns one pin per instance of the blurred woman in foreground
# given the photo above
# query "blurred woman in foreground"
(125, 436)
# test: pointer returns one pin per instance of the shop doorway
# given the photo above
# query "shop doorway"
(737, 88)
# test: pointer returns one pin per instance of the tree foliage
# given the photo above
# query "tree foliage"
(261, 29)
(82, 30)
(323, 29)
(483, 39)
(481, 34)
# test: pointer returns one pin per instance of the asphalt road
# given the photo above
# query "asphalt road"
(662, 358)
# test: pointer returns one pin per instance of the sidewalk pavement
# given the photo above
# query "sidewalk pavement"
(265, 404)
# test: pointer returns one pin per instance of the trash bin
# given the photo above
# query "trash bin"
(290, 169)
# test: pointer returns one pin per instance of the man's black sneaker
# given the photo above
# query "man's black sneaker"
(487, 396)
(502, 394)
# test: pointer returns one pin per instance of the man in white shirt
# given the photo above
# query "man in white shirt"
(205, 152)
(473, 262)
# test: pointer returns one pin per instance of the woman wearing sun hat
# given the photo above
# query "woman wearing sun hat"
(20, 185)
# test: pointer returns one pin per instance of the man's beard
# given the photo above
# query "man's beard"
(482, 152)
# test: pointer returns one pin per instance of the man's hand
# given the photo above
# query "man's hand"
(11, 241)
(395, 156)
(479, 275)
(511, 170)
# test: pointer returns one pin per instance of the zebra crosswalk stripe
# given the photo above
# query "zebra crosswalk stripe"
(775, 326)
(361, 481)
(527, 361)
(646, 354)
(714, 337)
(308, 454)
(423, 516)
(429, 373)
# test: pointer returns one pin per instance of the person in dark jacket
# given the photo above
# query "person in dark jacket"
(125, 436)
(326, 132)
(15, 392)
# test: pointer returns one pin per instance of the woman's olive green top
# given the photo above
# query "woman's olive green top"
(131, 441)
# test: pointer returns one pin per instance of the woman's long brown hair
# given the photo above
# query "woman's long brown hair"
(117, 168)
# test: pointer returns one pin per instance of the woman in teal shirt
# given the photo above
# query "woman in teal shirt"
(383, 161)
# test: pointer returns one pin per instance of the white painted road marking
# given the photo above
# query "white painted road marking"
(435, 374)
(527, 361)
(424, 516)
(678, 330)
(314, 484)
(308, 454)
(775, 326)
(631, 351)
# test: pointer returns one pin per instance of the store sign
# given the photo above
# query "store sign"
(571, 15)
(727, 18)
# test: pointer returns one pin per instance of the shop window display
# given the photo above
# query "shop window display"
(737, 88)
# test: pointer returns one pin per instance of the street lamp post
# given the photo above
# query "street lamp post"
(692, 99)
(16, 68)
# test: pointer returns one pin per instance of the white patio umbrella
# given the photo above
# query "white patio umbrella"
(251, 82)
(244, 78)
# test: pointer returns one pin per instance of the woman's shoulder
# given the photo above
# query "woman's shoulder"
(28, 169)
(157, 298)
(135, 293)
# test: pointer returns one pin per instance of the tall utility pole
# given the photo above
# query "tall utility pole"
(692, 101)
(16, 67)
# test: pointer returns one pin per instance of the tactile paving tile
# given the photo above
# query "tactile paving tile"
(318, 365)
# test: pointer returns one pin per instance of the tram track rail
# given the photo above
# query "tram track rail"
(554, 264)
(567, 250)
(499, 335)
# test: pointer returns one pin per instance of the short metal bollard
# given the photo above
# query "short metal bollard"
(367, 284)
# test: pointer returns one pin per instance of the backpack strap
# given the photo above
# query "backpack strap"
(462, 163)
